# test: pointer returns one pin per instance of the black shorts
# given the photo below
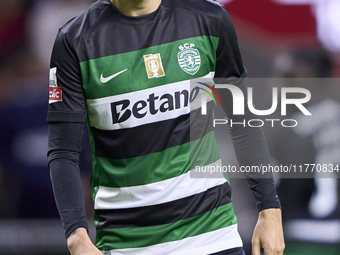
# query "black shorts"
(234, 251)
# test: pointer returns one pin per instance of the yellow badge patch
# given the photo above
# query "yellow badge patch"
(153, 65)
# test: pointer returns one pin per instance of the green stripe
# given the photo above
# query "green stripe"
(135, 78)
(158, 166)
(121, 238)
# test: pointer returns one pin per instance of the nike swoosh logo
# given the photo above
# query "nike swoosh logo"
(105, 80)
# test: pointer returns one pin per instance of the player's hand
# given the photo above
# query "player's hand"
(268, 233)
(79, 243)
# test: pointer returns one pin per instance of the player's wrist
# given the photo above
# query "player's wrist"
(270, 212)
(271, 215)
(78, 238)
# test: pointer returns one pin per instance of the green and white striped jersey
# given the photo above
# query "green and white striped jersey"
(130, 77)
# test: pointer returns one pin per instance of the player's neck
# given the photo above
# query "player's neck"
(136, 7)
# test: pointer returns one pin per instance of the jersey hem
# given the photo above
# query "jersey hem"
(66, 117)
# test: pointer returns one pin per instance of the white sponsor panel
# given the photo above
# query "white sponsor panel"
(144, 106)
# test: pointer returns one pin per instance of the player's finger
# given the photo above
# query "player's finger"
(256, 247)
(280, 249)
(269, 251)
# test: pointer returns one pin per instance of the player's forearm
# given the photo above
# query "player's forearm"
(68, 193)
(251, 150)
(63, 156)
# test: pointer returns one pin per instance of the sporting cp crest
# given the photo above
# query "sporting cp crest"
(189, 59)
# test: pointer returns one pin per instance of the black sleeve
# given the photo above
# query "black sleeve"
(66, 80)
(66, 115)
(64, 146)
(251, 150)
(249, 143)
(228, 57)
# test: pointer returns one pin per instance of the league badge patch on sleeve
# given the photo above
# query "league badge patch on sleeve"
(55, 92)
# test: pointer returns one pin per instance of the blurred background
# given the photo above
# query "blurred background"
(278, 38)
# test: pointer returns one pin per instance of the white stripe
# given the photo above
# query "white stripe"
(100, 112)
(155, 193)
(210, 242)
